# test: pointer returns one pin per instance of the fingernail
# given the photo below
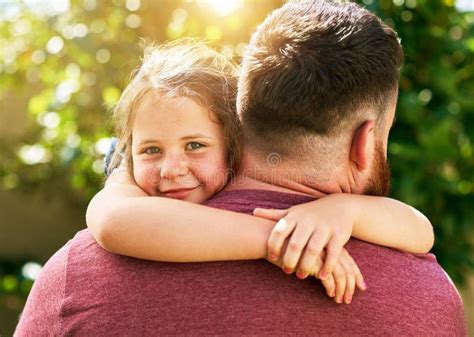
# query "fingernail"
(364, 285)
(333, 294)
(287, 270)
(301, 275)
(323, 275)
(338, 300)
(349, 300)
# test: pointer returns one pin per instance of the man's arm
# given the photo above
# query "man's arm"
(41, 314)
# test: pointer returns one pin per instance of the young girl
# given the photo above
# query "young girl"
(179, 139)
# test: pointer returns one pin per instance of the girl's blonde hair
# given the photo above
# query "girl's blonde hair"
(182, 68)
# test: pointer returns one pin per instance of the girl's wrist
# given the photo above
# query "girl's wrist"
(355, 210)
(350, 205)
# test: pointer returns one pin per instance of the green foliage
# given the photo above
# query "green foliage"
(13, 280)
(430, 149)
(68, 70)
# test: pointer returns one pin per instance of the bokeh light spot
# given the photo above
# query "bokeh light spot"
(80, 30)
(98, 166)
(38, 56)
(34, 154)
(102, 56)
(49, 120)
(31, 270)
(425, 96)
(102, 145)
(133, 5)
(55, 45)
(133, 21)
(406, 16)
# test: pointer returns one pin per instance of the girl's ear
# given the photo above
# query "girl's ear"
(362, 145)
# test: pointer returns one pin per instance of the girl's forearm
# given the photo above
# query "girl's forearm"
(389, 222)
(171, 230)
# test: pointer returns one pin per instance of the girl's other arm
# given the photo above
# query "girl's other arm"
(125, 220)
(329, 222)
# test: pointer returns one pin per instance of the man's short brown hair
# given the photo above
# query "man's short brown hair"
(311, 68)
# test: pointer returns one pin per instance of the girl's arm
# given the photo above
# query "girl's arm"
(125, 220)
(391, 223)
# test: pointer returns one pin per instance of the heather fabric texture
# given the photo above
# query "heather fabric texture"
(85, 291)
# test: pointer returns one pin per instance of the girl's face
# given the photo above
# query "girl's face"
(177, 150)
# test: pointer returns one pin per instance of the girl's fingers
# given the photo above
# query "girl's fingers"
(330, 286)
(270, 214)
(297, 243)
(280, 232)
(311, 262)
(339, 275)
(360, 283)
(350, 279)
(359, 279)
(333, 251)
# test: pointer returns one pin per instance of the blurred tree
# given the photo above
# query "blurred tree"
(66, 63)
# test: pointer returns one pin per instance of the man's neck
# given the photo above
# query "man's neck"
(241, 182)
(255, 175)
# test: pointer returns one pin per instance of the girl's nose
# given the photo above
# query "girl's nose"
(173, 167)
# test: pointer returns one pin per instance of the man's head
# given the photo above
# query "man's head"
(318, 86)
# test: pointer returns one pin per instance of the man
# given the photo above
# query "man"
(318, 92)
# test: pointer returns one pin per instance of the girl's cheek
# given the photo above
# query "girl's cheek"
(146, 177)
(212, 172)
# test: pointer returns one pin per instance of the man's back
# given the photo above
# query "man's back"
(92, 292)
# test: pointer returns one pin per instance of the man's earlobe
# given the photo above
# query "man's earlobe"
(361, 145)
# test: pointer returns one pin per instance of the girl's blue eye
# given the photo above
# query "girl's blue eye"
(194, 146)
(152, 150)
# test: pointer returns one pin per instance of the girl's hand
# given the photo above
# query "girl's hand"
(122, 178)
(324, 223)
(120, 175)
(341, 283)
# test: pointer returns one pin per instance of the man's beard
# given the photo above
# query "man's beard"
(379, 180)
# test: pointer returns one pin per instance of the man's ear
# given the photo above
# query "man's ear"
(361, 147)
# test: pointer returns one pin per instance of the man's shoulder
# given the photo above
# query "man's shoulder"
(41, 314)
(396, 275)
(382, 260)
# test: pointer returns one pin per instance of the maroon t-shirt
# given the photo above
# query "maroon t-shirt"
(86, 291)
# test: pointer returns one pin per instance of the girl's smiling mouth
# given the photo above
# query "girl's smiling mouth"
(178, 193)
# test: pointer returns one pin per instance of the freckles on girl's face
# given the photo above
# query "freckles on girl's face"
(178, 151)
